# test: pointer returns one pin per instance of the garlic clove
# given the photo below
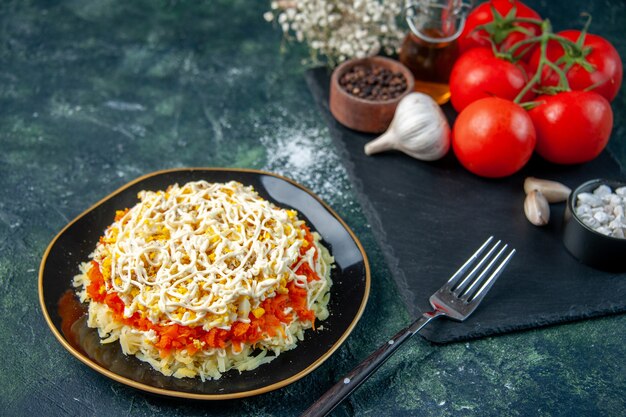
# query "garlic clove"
(536, 208)
(419, 129)
(553, 191)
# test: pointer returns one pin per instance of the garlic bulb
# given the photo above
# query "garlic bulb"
(419, 129)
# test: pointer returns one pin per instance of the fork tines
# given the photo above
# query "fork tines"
(474, 285)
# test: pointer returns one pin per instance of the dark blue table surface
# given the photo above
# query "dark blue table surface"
(94, 94)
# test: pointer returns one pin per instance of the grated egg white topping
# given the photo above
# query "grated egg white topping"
(204, 254)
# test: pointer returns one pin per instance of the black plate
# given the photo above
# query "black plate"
(351, 283)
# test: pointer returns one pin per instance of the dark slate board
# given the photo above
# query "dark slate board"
(429, 217)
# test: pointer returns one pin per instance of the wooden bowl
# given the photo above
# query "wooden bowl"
(366, 115)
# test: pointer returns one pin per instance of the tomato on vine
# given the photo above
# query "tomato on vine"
(503, 22)
(493, 137)
(478, 73)
(572, 127)
(570, 123)
(588, 61)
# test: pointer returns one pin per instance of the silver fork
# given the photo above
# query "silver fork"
(457, 299)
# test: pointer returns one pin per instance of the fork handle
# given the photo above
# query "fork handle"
(342, 389)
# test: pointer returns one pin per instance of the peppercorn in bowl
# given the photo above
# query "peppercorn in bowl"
(364, 93)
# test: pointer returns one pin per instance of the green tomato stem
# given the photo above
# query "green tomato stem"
(544, 38)
(527, 20)
(583, 33)
(519, 44)
(529, 105)
(546, 29)
(596, 85)
(565, 43)
(563, 83)
(500, 27)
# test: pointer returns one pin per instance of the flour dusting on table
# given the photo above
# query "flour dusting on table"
(304, 154)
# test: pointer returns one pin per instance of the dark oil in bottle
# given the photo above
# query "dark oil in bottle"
(430, 63)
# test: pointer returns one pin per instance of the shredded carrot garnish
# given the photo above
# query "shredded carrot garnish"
(176, 337)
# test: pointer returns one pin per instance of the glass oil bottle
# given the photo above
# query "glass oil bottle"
(430, 49)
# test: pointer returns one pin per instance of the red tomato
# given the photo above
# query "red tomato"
(478, 74)
(503, 32)
(572, 127)
(605, 70)
(493, 137)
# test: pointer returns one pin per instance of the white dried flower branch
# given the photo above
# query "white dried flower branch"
(340, 29)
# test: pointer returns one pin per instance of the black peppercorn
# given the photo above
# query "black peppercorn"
(373, 82)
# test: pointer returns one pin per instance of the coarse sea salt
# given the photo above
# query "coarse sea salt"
(603, 210)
